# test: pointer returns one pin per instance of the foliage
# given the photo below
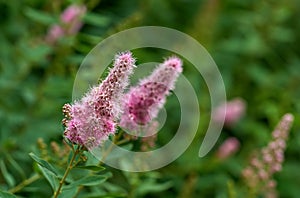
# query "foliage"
(254, 44)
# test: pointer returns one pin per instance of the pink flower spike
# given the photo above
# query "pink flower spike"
(143, 102)
(92, 119)
(269, 160)
(55, 32)
(70, 23)
(235, 109)
(228, 148)
(71, 13)
(174, 62)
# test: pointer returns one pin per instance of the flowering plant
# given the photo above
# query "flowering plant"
(92, 119)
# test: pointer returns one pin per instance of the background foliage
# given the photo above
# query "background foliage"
(254, 43)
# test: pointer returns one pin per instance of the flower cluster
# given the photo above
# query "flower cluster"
(258, 175)
(91, 120)
(233, 109)
(228, 148)
(143, 102)
(70, 23)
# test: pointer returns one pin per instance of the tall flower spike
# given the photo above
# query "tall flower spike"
(91, 120)
(143, 102)
(259, 174)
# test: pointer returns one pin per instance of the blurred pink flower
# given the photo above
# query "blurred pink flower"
(55, 32)
(71, 18)
(91, 120)
(259, 174)
(229, 147)
(233, 110)
(71, 13)
(143, 102)
(70, 23)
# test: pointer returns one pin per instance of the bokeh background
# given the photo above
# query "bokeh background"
(254, 43)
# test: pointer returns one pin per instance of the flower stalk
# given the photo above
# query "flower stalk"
(70, 166)
(259, 174)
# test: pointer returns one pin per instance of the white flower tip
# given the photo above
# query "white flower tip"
(174, 62)
(288, 117)
(124, 58)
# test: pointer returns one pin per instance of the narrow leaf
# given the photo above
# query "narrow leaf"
(106, 195)
(150, 186)
(16, 166)
(6, 195)
(7, 176)
(39, 16)
(91, 167)
(43, 163)
(68, 192)
(50, 177)
(96, 19)
(88, 181)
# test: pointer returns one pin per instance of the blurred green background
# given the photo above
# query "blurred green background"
(254, 43)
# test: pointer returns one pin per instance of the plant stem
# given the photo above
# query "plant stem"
(188, 188)
(122, 141)
(105, 154)
(24, 183)
(70, 166)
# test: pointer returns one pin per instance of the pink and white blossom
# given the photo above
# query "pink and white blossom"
(92, 119)
(143, 102)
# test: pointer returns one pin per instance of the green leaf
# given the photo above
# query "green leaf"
(6, 195)
(89, 38)
(36, 53)
(111, 187)
(68, 192)
(50, 177)
(106, 195)
(91, 167)
(75, 59)
(7, 176)
(43, 163)
(88, 181)
(96, 19)
(39, 16)
(16, 166)
(151, 186)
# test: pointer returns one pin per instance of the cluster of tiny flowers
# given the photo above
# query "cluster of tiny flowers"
(70, 23)
(259, 174)
(91, 120)
(231, 111)
(143, 102)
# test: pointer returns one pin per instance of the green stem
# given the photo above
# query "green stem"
(132, 190)
(70, 166)
(105, 154)
(24, 183)
(122, 141)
